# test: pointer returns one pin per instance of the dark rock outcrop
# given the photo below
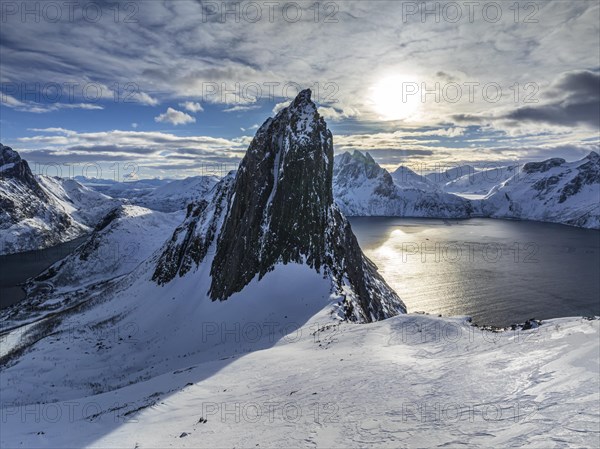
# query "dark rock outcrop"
(277, 209)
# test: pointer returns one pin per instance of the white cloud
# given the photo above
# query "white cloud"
(333, 114)
(279, 106)
(153, 152)
(191, 106)
(168, 55)
(175, 117)
(134, 125)
(144, 98)
(241, 108)
(39, 108)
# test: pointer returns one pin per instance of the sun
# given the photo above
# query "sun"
(396, 98)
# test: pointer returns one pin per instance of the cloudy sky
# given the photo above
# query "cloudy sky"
(172, 89)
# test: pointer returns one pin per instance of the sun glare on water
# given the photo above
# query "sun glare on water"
(396, 98)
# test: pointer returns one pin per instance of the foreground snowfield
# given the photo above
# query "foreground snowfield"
(409, 381)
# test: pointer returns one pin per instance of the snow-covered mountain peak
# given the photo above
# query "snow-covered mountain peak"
(13, 167)
(277, 210)
(544, 166)
(405, 178)
(551, 190)
(8, 155)
(364, 158)
(363, 188)
(303, 101)
(357, 166)
(593, 156)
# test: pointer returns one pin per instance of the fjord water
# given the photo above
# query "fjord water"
(498, 272)
(15, 269)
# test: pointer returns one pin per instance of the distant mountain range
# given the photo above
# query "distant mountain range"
(40, 211)
(165, 195)
(362, 188)
(553, 191)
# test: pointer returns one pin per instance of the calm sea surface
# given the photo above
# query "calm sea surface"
(499, 272)
(15, 269)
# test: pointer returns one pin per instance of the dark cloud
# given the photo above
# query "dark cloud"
(572, 100)
(575, 101)
(469, 118)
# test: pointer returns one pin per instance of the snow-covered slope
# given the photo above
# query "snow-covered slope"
(553, 190)
(405, 178)
(265, 253)
(442, 177)
(409, 381)
(362, 188)
(38, 212)
(481, 182)
(84, 205)
(123, 239)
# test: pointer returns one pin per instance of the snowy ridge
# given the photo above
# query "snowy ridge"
(552, 190)
(405, 178)
(482, 181)
(84, 205)
(123, 239)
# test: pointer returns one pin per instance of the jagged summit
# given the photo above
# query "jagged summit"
(278, 209)
(8, 155)
(13, 166)
(544, 166)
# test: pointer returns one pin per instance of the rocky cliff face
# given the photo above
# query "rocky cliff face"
(278, 209)
(12, 167)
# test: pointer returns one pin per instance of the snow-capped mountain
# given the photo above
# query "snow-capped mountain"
(268, 249)
(126, 189)
(480, 182)
(38, 211)
(553, 190)
(83, 205)
(442, 177)
(363, 188)
(405, 178)
(278, 209)
(123, 239)
(157, 194)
